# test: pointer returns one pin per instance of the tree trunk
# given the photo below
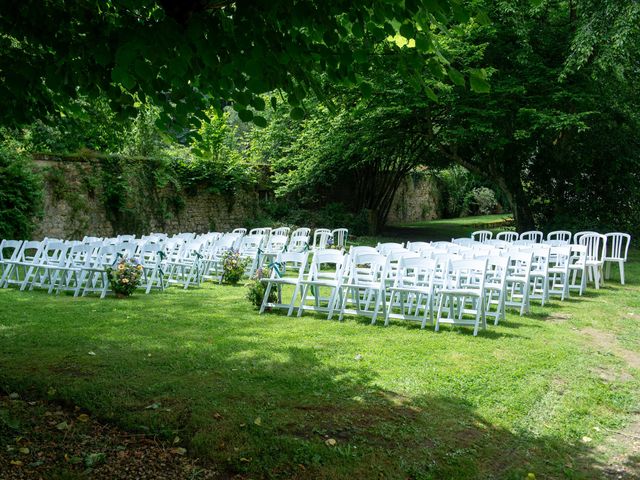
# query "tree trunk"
(522, 215)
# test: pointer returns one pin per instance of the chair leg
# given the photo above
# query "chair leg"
(621, 263)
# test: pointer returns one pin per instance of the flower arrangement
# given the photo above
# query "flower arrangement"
(233, 266)
(256, 288)
(124, 276)
(330, 243)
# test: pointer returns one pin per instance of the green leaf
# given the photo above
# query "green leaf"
(297, 113)
(259, 121)
(407, 30)
(366, 89)
(245, 115)
(456, 77)
(274, 102)
(478, 82)
(258, 103)
(430, 93)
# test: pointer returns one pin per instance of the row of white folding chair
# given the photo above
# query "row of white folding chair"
(354, 289)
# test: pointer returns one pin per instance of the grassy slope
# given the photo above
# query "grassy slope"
(263, 394)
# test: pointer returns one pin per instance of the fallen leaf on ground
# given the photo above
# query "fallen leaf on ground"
(330, 442)
(178, 450)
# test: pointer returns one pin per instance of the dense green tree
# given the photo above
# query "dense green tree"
(188, 55)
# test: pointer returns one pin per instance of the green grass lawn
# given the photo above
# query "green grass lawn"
(449, 228)
(276, 397)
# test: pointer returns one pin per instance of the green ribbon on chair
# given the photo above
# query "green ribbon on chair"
(276, 268)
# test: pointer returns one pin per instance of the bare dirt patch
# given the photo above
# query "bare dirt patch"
(608, 341)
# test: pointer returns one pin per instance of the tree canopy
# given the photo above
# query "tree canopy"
(187, 56)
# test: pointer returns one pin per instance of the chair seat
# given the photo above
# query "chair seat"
(466, 292)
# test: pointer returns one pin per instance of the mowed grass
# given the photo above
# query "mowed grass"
(277, 397)
(449, 228)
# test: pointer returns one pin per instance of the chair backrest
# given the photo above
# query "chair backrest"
(534, 235)
(340, 236)
(301, 232)
(559, 235)
(31, 251)
(617, 246)
(418, 247)
(520, 264)
(125, 238)
(355, 250)
(501, 244)
(298, 243)
(578, 235)
(578, 257)
(482, 235)
(281, 231)
(321, 238)
(596, 246)
(559, 256)
(327, 263)
(464, 241)
(260, 231)
(284, 260)
(386, 248)
(240, 231)
(466, 274)
(55, 253)
(497, 270)
(251, 244)
(367, 268)
(276, 243)
(416, 272)
(10, 249)
(507, 236)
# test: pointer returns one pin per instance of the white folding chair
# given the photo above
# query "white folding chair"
(365, 281)
(596, 247)
(578, 268)
(325, 273)
(518, 280)
(411, 297)
(539, 275)
(321, 238)
(9, 253)
(559, 260)
(463, 295)
(285, 261)
(495, 287)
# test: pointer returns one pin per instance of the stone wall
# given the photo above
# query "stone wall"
(416, 200)
(74, 206)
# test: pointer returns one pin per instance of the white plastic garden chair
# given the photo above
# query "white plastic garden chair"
(617, 250)
(534, 236)
(596, 247)
(539, 275)
(507, 236)
(321, 238)
(281, 231)
(557, 236)
(482, 235)
(340, 236)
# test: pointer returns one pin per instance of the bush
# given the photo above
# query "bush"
(256, 288)
(480, 201)
(233, 266)
(20, 194)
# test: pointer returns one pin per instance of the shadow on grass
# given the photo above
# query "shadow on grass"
(282, 412)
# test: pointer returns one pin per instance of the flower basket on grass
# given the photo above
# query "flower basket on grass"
(256, 288)
(233, 266)
(124, 277)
